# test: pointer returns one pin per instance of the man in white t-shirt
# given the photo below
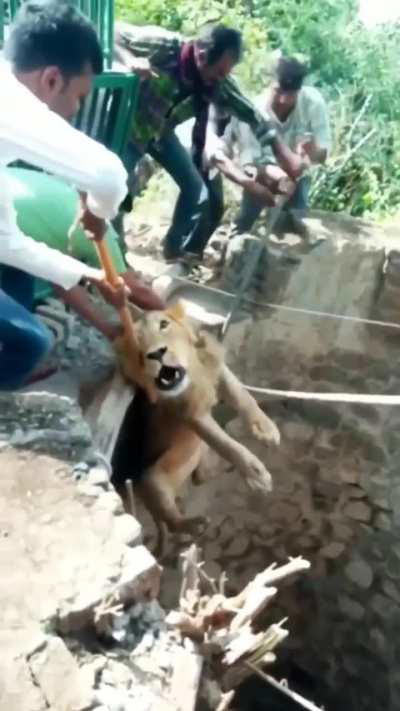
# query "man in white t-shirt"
(52, 54)
(300, 115)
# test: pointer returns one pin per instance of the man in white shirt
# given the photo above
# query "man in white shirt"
(300, 115)
(52, 54)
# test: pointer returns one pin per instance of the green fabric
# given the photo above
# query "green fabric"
(46, 207)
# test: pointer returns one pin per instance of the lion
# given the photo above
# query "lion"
(169, 424)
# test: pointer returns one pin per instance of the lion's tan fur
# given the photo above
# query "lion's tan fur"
(180, 425)
(203, 353)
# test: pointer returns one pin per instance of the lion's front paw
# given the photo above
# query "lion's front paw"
(256, 475)
(264, 429)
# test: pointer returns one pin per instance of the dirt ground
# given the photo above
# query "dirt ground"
(52, 539)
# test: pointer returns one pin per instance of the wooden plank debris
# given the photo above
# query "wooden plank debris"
(222, 626)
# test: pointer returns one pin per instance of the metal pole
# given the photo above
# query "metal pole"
(272, 217)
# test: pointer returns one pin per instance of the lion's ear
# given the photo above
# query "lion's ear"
(176, 311)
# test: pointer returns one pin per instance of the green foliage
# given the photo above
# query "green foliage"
(357, 70)
(152, 12)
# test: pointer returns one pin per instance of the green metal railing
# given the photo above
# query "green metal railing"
(3, 19)
(107, 114)
(100, 12)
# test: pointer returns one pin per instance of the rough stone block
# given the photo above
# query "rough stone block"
(18, 692)
(384, 607)
(187, 667)
(87, 490)
(140, 575)
(351, 608)
(127, 530)
(360, 573)
(333, 550)
(238, 546)
(298, 431)
(99, 476)
(358, 510)
(57, 675)
(110, 501)
(45, 422)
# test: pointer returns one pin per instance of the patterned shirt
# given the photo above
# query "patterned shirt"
(166, 101)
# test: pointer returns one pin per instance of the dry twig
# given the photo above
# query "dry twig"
(222, 625)
(131, 496)
(284, 689)
(106, 612)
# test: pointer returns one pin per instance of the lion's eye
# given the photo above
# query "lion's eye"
(163, 325)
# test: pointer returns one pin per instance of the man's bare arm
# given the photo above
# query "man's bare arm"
(313, 151)
(80, 302)
(292, 163)
(238, 176)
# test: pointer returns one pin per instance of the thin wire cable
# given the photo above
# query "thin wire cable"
(359, 398)
(295, 309)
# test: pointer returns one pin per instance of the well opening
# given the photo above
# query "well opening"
(336, 496)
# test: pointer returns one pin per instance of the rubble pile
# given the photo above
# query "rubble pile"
(88, 633)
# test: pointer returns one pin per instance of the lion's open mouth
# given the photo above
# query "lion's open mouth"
(169, 377)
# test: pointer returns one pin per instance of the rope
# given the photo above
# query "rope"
(356, 398)
(388, 400)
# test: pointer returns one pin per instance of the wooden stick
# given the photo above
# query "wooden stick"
(256, 600)
(113, 278)
(131, 498)
(226, 700)
(126, 320)
(273, 574)
(284, 689)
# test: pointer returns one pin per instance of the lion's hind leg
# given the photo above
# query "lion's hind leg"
(202, 473)
(159, 496)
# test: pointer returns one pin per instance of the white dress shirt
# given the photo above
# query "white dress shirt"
(29, 131)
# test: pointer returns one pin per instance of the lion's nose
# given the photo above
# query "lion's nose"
(158, 354)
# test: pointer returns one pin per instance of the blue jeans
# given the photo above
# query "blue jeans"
(24, 341)
(250, 209)
(199, 207)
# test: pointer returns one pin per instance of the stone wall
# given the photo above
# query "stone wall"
(336, 498)
(80, 626)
